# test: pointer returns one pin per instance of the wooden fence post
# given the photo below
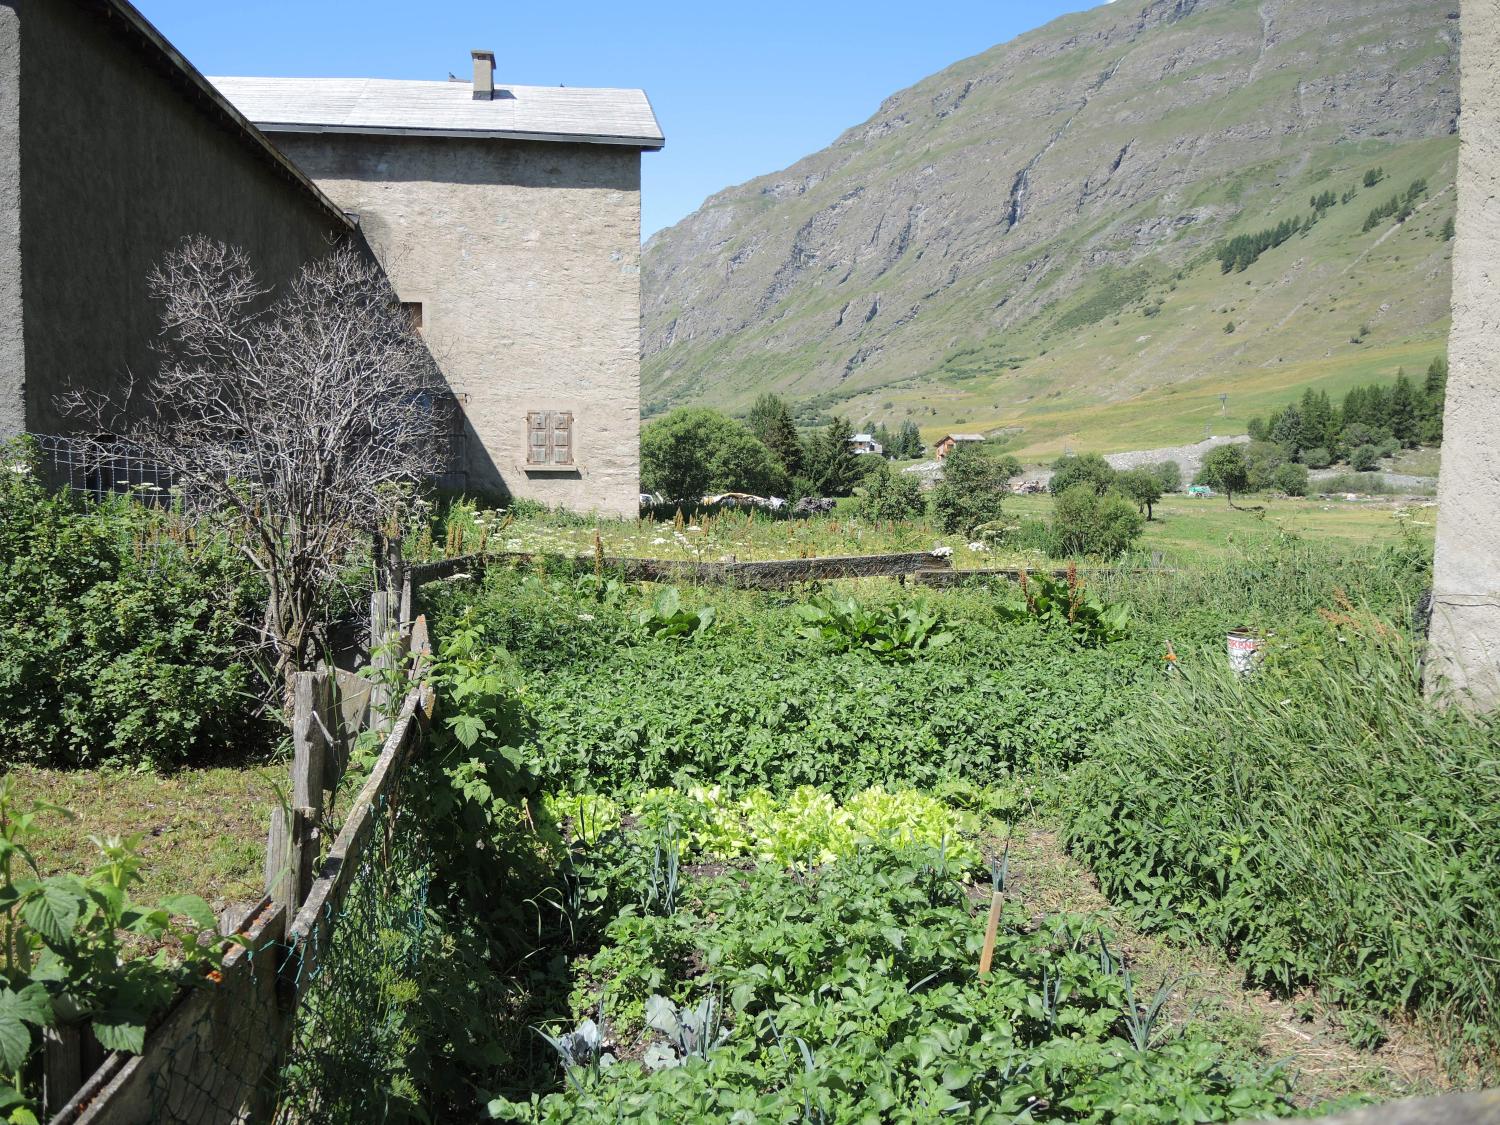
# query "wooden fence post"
(62, 1065)
(280, 875)
(309, 750)
(292, 850)
(385, 622)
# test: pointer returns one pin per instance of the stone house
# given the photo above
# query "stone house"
(112, 148)
(507, 218)
(946, 443)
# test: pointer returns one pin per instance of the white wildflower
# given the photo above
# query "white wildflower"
(941, 552)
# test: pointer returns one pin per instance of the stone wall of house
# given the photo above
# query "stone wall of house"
(12, 353)
(109, 154)
(1465, 632)
(525, 257)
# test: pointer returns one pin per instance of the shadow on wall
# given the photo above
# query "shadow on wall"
(448, 160)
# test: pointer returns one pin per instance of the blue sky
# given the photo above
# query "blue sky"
(740, 89)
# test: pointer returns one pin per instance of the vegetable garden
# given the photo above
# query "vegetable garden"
(779, 818)
(701, 853)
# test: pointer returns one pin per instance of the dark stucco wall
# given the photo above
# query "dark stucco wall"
(120, 157)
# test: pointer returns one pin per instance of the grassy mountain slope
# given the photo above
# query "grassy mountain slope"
(1026, 239)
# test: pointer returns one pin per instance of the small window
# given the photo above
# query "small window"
(549, 437)
(413, 311)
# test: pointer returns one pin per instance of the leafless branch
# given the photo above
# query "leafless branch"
(292, 416)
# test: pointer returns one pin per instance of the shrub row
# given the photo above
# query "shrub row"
(120, 634)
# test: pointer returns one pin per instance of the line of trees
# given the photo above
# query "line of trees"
(1371, 421)
(1401, 205)
(901, 444)
(1145, 485)
(1243, 250)
(696, 451)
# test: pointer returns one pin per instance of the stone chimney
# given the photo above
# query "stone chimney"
(484, 75)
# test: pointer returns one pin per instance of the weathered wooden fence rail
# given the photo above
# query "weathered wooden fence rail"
(773, 575)
(213, 1056)
(922, 567)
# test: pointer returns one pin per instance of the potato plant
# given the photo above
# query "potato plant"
(850, 993)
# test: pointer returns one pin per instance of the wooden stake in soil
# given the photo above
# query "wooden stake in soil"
(991, 931)
(999, 874)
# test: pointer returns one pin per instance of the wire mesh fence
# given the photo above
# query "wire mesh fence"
(305, 1018)
(299, 1031)
(350, 1021)
(81, 467)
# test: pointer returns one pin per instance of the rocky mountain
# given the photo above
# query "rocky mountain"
(1026, 241)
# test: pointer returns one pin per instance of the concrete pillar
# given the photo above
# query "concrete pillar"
(1465, 639)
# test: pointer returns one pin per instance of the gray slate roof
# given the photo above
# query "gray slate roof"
(444, 109)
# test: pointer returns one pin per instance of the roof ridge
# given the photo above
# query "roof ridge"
(422, 107)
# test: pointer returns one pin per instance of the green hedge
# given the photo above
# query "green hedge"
(119, 633)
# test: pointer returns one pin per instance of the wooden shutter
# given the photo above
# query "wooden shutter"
(549, 437)
(537, 433)
(562, 437)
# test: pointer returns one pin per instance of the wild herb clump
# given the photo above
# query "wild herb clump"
(1065, 605)
(887, 632)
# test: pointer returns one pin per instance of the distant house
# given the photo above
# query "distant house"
(865, 443)
(946, 444)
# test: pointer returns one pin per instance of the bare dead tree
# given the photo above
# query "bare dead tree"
(291, 416)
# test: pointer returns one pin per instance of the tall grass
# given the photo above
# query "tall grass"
(1321, 821)
(1272, 584)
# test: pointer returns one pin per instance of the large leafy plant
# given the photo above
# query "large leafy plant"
(891, 633)
(64, 944)
(665, 617)
(1065, 604)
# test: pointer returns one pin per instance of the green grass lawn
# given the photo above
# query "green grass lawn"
(1182, 530)
(1185, 529)
(202, 831)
